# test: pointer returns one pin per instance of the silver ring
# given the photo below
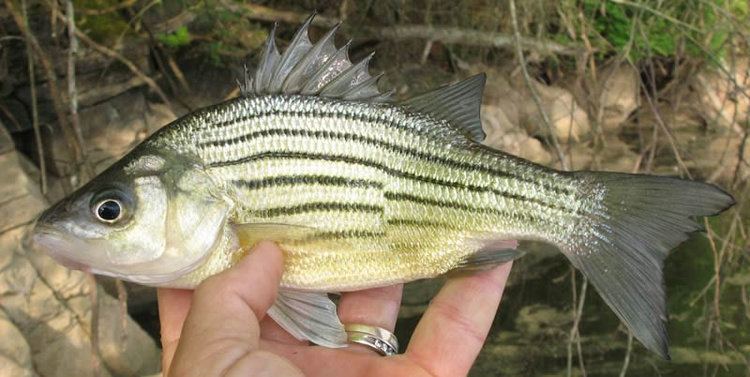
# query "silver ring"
(377, 338)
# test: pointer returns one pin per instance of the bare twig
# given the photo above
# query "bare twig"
(53, 20)
(626, 361)
(446, 35)
(72, 54)
(575, 335)
(178, 73)
(268, 14)
(129, 64)
(703, 291)
(467, 37)
(660, 122)
(8, 114)
(575, 331)
(532, 90)
(34, 107)
(426, 51)
(233, 93)
(112, 8)
(741, 155)
(574, 294)
(49, 72)
(161, 55)
(94, 334)
(122, 300)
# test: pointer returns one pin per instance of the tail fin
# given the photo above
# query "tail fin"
(624, 238)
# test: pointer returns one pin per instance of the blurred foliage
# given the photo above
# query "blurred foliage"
(178, 38)
(225, 35)
(662, 28)
(106, 27)
(699, 29)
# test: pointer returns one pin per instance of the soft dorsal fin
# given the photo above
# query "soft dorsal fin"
(458, 104)
(312, 69)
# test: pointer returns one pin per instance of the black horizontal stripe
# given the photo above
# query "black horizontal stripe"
(421, 223)
(349, 160)
(382, 167)
(457, 206)
(369, 117)
(288, 180)
(318, 207)
(440, 203)
(343, 234)
(317, 134)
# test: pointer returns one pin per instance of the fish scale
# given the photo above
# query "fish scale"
(362, 192)
(412, 180)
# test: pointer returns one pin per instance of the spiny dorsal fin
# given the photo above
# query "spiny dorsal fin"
(268, 60)
(458, 104)
(312, 69)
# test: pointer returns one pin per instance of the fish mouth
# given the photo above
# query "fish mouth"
(52, 242)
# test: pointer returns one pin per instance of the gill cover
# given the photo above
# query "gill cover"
(177, 222)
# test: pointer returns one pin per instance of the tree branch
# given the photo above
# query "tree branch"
(117, 56)
(49, 72)
(446, 35)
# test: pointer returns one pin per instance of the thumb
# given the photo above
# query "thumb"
(222, 325)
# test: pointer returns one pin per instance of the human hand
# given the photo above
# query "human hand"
(221, 329)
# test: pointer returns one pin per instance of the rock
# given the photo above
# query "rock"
(15, 354)
(110, 129)
(49, 306)
(619, 94)
(569, 121)
(505, 136)
(719, 158)
(19, 194)
(719, 100)
(612, 155)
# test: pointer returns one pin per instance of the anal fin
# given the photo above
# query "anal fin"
(309, 316)
(486, 259)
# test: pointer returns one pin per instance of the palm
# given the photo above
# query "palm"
(445, 343)
(320, 361)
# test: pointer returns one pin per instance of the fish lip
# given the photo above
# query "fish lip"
(35, 241)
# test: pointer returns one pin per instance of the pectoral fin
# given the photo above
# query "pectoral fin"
(309, 316)
(251, 233)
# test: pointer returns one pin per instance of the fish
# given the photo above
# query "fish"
(362, 191)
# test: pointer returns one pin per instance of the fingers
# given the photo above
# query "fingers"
(375, 307)
(453, 329)
(262, 364)
(222, 325)
(174, 305)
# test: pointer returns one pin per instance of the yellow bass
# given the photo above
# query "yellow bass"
(362, 192)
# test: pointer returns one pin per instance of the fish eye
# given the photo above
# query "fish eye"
(108, 210)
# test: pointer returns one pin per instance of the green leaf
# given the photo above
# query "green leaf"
(178, 38)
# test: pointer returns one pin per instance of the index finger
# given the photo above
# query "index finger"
(174, 305)
(222, 327)
(453, 329)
